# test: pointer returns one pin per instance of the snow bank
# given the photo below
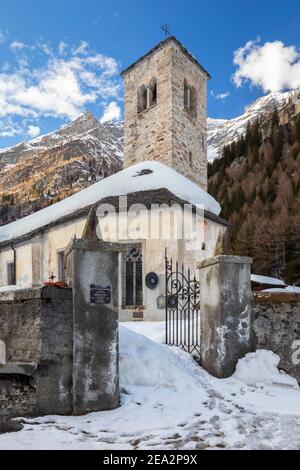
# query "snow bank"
(260, 368)
(288, 289)
(11, 288)
(156, 330)
(267, 280)
(174, 404)
(151, 364)
(143, 176)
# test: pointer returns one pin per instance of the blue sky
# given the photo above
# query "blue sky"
(61, 57)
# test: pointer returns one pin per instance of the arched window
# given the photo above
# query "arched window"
(190, 98)
(132, 267)
(142, 98)
(153, 92)
(147, 96)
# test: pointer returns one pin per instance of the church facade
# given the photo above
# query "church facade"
(164, 164)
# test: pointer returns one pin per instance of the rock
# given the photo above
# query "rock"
(8, 425)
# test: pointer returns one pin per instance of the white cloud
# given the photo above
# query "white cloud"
(271, 66)
(8, 128)
(112, 112)
(220, 96)
(17, 45)
(62, 47)
(33, 131)
(81, 49)
(62, 87)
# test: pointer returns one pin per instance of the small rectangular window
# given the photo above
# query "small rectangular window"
(61, 265)
(11, 274)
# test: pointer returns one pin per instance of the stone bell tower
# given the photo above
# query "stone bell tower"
(165, 110)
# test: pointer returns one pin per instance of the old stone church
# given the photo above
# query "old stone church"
(165, 162)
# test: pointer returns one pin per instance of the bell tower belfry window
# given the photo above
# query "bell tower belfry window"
(147, 96)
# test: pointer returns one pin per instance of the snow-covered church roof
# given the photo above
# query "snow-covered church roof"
(145, 176)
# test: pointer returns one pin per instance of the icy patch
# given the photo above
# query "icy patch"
(260, 368)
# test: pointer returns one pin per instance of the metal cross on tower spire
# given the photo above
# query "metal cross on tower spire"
(165, 28)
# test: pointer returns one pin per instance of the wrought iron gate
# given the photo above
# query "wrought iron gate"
(182, 308)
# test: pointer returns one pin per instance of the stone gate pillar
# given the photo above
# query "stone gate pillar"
(226, 313)
(92, 271)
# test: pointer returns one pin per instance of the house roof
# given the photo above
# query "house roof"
(159, 46)
(140, 178)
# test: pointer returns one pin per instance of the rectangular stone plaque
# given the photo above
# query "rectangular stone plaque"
(100, 294)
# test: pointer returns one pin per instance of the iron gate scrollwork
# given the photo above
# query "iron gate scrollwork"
(182, 308)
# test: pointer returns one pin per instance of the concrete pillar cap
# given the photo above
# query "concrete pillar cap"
(224, 259)
(93, 245)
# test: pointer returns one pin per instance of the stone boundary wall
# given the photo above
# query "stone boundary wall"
(277, 327)
(36, 326)
(59, 346)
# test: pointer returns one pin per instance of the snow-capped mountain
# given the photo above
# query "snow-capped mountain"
(36, 173)
(224, 131)
(102, 140)
(39, 172)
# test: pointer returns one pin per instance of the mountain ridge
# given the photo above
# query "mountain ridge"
(46, 169)
(222, 132)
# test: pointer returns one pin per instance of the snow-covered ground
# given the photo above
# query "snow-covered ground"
(169, 402)
(288, 289)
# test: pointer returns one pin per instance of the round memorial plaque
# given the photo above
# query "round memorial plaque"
(151, 280)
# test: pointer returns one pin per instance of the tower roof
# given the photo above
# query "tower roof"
(159, 46)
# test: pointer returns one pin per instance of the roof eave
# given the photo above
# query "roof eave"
(84, 211)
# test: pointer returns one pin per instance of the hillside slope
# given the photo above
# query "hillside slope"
(221, 132)
(257, 183)
(45, 170)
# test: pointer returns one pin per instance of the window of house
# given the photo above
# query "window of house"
(11, 274)
(2, 353)
(132, 276)
(61, 265)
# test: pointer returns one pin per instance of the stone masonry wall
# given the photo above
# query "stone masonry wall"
(148, 135)
(277, 327)
(36, 326)
(188, 131)
(166, 132)
(20, 323)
